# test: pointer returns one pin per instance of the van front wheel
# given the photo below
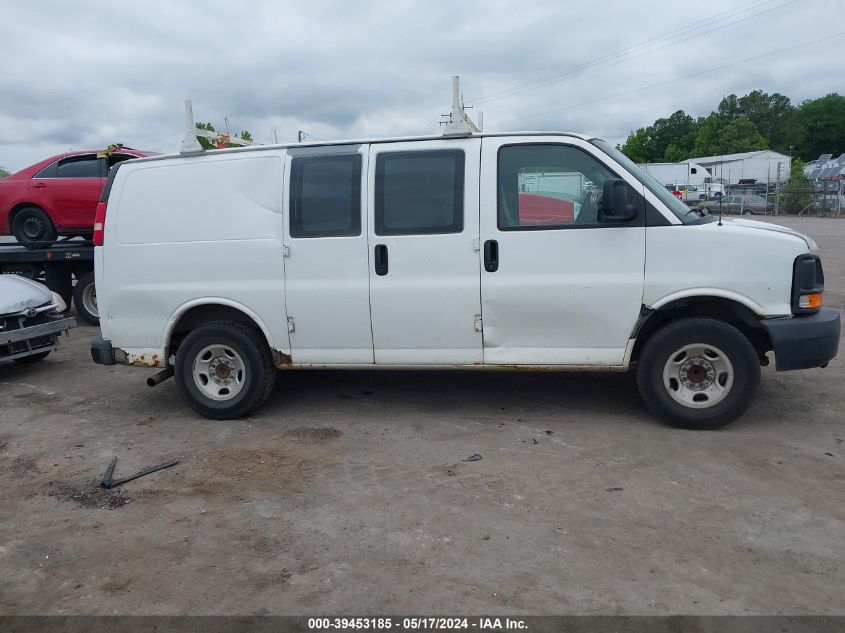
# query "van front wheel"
(698, 373)
(224, 370)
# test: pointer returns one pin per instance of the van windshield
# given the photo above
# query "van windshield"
(684, 213)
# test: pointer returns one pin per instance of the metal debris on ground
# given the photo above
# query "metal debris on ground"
(473, 458)
(109, 481)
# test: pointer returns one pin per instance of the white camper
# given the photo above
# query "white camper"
(689, 177)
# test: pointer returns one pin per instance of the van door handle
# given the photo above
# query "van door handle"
(381, 259)
(40, 185)
(491, 256)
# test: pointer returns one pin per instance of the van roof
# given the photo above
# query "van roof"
(397, 139)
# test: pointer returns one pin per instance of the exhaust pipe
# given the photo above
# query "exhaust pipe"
(161, 376)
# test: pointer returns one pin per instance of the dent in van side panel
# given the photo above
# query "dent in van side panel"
(563, 309)
(746, 265)
(204, 200)
(190, 231)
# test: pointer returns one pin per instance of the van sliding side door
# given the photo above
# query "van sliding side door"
(424, 257)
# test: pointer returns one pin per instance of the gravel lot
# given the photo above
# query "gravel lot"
(348, 494)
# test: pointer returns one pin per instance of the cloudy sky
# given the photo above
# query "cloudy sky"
(85, 74)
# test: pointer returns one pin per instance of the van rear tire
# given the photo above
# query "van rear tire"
(224, 370)
(698, 373)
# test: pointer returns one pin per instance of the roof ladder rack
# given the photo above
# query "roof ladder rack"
(459, 123)
(190, 144)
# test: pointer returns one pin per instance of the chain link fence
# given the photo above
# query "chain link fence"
(824, 198)
(819, 199)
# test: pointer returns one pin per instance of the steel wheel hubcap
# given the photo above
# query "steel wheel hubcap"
(698, 376)
(89, 299)
(33, 227)
(219, 372)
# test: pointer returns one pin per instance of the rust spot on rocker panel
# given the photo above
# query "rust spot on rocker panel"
(282, 360)
(139, 360)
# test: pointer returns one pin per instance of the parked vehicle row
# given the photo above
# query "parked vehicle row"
(549, 251)
(740, 204)
(692, 194)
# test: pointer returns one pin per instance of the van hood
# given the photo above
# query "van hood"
(765, 226)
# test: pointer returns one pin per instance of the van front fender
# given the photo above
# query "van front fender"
(698, 293)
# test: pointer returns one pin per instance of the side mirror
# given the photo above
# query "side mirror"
(614, 202)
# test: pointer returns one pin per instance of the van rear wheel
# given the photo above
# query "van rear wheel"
(224, 370)
(698, 373)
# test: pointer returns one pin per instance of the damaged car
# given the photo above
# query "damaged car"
(30, 320)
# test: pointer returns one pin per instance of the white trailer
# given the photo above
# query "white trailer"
(761, 166)
(677, 173)
(686, 174)
(552, 182)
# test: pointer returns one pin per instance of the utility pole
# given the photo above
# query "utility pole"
(777, 191)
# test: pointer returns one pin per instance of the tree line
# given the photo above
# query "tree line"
(752, 122)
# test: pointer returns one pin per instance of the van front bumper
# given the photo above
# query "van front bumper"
(803, 342)
(102, 352)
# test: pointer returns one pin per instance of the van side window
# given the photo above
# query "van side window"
(548, 186)
(325, 196)
(419, 192)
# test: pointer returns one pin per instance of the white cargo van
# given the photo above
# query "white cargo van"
(481, 252)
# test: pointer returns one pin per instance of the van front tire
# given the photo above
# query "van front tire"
(224, 370)
(698, 373)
